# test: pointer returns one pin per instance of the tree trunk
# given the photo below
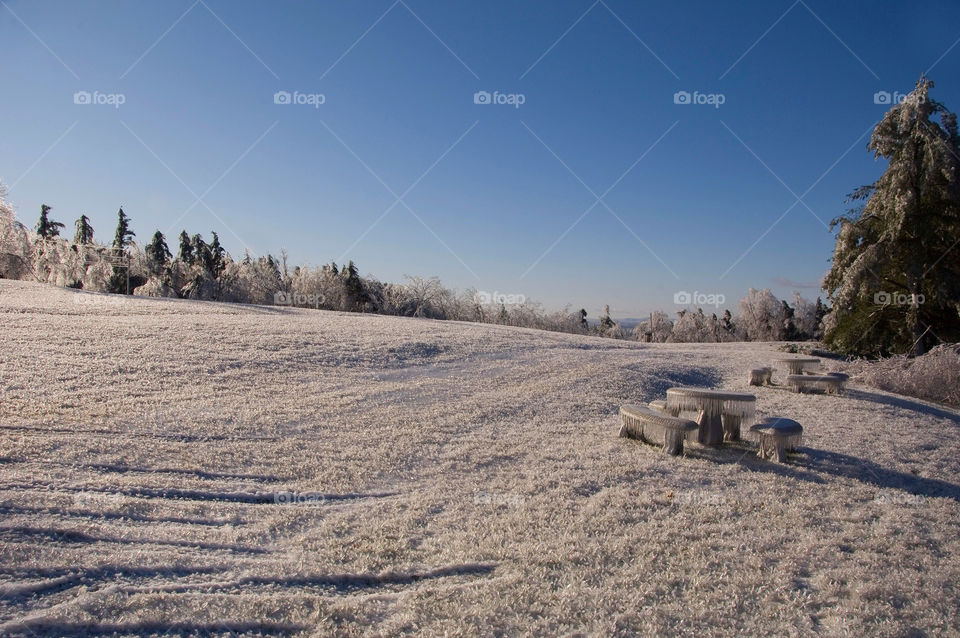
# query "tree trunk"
(913, 316)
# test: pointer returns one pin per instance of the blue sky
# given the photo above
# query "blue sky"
(400, 170)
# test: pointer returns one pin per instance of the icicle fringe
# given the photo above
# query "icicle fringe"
(656, 428)
(699, 400)
(830, 384)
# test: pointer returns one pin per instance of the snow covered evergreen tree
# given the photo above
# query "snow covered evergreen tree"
(123, 236)
(790, 331)
(821, 312)
(158, 254)
(217, 254)
(185, 254)
(353, 288)
(895, 280)
(47, 228)
(84, 234)
(201, 252)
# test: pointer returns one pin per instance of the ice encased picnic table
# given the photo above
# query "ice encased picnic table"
(721, 413)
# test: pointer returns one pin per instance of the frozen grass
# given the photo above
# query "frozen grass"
(934, 376)
(217, 468)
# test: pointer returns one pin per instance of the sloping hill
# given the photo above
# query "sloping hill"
(202, 467)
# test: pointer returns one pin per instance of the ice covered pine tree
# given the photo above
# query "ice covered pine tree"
(895, 279)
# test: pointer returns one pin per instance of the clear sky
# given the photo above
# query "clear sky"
(598, 189)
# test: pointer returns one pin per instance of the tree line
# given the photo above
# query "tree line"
(203, 269)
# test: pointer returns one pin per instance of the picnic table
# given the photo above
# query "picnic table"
(720, 412)
(799, 365)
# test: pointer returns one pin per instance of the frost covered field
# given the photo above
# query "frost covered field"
(212, 468)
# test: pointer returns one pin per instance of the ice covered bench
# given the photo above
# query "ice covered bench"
(653, 426)
(843, 379)
(777, 436)
(828, 383)
(761, 376)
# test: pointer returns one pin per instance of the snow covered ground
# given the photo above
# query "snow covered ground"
(208, 468)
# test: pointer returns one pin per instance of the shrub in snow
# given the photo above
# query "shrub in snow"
(428, 297)
(251, 281)
(55, 262)
(934, 376)
(761, 317)
(695, 327)
(155, 288)
(614, 332)
(658, 327)
(309, 287)
(15, 247)
(203, 287)
(13, 267)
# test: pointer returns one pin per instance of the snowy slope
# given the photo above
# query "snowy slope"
(212, 468)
